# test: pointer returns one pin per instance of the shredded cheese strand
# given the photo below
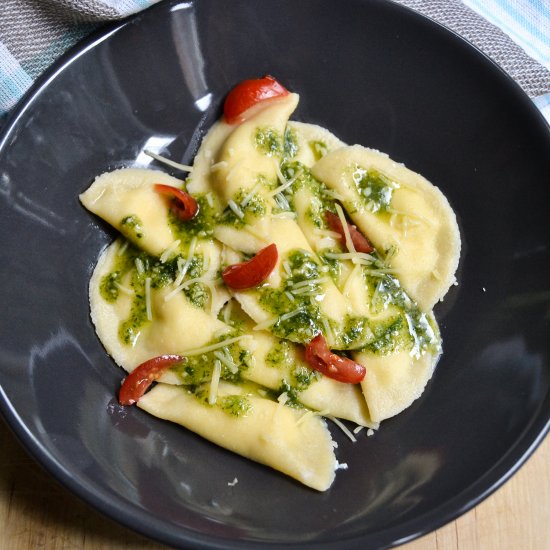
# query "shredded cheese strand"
(173, 164)
(235, 207)
(169, 251)
(349, 256)
(122, 248)
(139, 266)
(248, 197)
(342, 427)
(206, 349)
(124, 289)
(308, 282)
(185, 267)
(227, 360)
(343, 221)
(148, 299)
(214, 383)
(286, 183)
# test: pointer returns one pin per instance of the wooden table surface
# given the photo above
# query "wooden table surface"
(37, 513)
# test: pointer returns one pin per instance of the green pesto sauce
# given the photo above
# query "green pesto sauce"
(301, 378)
(108, 287)
(318, 148)
(408, 328)
(290, 144)
(279, 355)
(303, 178)
(198, 368)
(305, 323)
(131, 227)
(235, 405)
(109, 284)
(128, 330)
(253, 206)
(388, 336)
(201, 226)
(333, 265)
(269, 142)
(374, 188)
(161, 275)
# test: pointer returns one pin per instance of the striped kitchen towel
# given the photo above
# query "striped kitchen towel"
(34, 33)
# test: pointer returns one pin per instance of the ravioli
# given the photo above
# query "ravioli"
(243, 376)
(400, 210)
(270, 433)
(179, 327)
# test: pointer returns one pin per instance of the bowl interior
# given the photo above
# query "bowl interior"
(373, 73)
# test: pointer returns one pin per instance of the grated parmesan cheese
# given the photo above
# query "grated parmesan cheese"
(285, 183)
(183, 267)
(169, 251)
(160, 158)
(139, 266)
(227, 360)
(343, 427)
(248, 197)
(212, 347)
(350, 256)
(122, 248)
(318, 280)
(214, 383)
(148, 298)
(236, 209)
(343, 221)
(124, 289)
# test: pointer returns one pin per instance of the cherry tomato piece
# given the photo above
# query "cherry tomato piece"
(319, 357)
(182, 204)
(360, 242)
(253, 272)
(247, 94)
(139, 380)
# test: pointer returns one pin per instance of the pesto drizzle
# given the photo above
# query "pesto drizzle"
(374, 188)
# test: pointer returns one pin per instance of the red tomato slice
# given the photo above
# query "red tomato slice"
(139, 380)
(319, 357)
(247, 94)
(182, 203)
(252, 273)
(360, 242)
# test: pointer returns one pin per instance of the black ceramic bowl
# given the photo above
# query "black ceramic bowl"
(375, 74)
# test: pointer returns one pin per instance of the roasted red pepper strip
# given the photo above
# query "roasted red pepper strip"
(182, 203)
(250, 274)
(139, 380)
(247, 94)
(319, 357)
(360, 242)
